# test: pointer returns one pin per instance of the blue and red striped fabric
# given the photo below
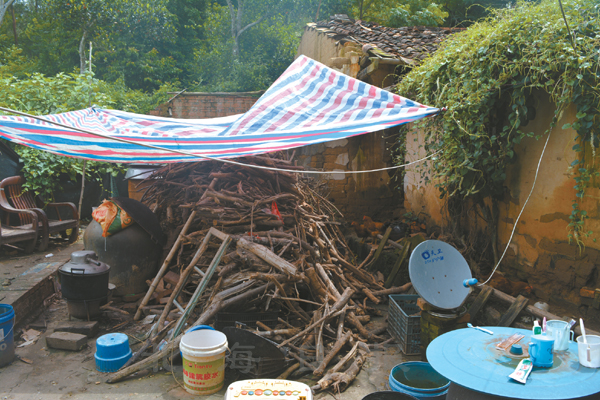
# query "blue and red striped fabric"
(310, 103)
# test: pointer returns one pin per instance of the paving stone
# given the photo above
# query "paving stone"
(88, 328)
(66, 341)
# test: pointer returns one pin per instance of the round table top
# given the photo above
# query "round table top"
(469, 357)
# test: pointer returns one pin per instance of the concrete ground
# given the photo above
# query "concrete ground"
(42, 373)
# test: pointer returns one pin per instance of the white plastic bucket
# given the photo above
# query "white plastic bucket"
(203, 355)
(589, 354)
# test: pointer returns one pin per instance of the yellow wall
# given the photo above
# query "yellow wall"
(318, 46)
(539, 252)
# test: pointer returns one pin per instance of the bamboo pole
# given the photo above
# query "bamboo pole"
(164, 266)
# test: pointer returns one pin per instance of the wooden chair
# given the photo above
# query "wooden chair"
(22, 233)
(28, 208)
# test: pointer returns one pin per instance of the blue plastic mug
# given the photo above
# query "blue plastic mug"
(540, 351)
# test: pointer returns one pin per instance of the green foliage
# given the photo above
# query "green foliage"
(408, 14)
(14, 63)
(127, 37)
(40, 95)
(398, 13)
(487, 77)
(266, 50)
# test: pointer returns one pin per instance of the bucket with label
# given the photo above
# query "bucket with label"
(7, 343)
(203, 356)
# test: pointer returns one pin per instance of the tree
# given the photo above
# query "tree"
(237, 14)
(3, 7)
(263, 53)
(397, 13)
(127, 36)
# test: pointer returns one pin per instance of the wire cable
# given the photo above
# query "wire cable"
(520, 213)
(214, 158)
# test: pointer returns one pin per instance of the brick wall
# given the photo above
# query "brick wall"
(376, 194)
(207, 105)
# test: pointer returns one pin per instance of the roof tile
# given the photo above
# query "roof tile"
(413, 42)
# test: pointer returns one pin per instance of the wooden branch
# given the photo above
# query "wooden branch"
(148, 362)
(289, 371)
(174, 344)
(371, 296)
(268, 256)
(302, 361)
(536, 312)
(164, 266)
(275, 332)
(341, 381)
(335, 310)
(150, 341)
(219, 305)
(328, 283)
(393, 290)
(315, 284)
(332, 353)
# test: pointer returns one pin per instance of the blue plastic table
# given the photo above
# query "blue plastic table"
(469, 358)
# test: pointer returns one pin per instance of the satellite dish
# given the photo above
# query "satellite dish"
(437, 271)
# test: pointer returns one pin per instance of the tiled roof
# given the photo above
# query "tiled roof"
(413, 42)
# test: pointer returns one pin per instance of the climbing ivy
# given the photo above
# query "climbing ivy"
(487, 77)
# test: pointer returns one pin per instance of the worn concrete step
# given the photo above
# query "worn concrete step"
(87, 328)
(66, 341)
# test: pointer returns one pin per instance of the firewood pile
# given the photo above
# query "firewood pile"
(288, 253)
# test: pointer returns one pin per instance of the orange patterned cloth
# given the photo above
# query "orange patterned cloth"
(111, 218)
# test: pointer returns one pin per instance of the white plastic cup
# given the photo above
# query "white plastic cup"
(589, 354)
(203, 355)
(558, 330)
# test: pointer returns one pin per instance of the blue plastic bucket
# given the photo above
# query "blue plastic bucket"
(7, 343)
(112, 352)
(420, 380)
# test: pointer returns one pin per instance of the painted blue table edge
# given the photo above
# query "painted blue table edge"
(453, 356)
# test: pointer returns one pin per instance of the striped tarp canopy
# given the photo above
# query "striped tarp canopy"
(310, 103)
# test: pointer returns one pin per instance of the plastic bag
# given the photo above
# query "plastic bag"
(111, 218)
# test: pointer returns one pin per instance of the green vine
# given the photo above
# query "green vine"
(489, 76)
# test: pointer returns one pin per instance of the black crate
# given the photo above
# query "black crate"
(403, 324)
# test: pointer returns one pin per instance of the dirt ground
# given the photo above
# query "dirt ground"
(39, 372)
(43, 373)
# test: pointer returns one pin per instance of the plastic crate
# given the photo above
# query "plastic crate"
(403, 325)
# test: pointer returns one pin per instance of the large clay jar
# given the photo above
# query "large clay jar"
(131, 254)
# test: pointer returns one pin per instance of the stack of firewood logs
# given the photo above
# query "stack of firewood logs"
(290, 255)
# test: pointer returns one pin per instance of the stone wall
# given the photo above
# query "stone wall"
(207, 105)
